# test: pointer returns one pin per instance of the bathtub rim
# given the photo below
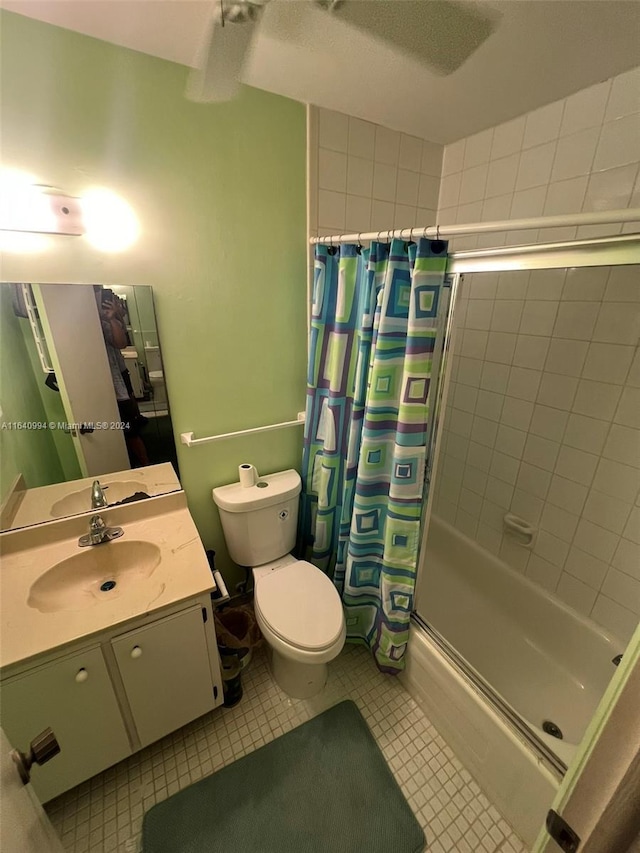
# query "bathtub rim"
(496, 703)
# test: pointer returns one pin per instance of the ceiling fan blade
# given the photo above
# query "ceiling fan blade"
(440, 33)
(223, 53)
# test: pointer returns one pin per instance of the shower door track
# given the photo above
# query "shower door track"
(489, 695)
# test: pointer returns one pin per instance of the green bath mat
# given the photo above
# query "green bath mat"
(321, 788)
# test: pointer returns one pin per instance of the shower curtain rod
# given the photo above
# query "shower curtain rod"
(604, 217)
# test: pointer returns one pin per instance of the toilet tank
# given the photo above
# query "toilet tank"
(260, 522)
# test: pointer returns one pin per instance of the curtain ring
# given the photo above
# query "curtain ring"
(437, 231)
(424, 232)
(359, 243)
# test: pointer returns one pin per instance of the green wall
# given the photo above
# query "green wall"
(30, 453)
(220, 194)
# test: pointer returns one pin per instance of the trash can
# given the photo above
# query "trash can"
(237, 634)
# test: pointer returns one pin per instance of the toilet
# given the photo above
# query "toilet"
(297, 607)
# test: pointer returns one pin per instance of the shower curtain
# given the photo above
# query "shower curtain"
(374, 325)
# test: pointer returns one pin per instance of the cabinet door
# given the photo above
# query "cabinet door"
(166, 673)
(74, 696)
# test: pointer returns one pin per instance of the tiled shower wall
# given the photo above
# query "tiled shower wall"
(578, 154)
(543, 421)
(363, 176)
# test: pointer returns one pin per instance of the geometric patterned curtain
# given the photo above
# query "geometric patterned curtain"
(374, 324)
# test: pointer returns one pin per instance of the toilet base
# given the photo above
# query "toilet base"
(298, 680)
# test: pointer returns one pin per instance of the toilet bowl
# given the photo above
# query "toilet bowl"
(298, 608)
(300, 614)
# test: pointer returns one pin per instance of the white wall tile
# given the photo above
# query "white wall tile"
(585, 284)
(535, 165)
(387, 146)
(431, 159)
(500, 345)
(623, 284)
(543, 125)
(334, 130)
(362, 138)
(541, 452)
(608, 363)
(360, 176)
(596, 399)
(538, 317)
(382, 215)
(543, 573)
(557, 391)
(585, 109)
(566, 357)
(551, 548)
(618, 144)
(559, 522)
(516, 413)
(585, 433)
(407, 187)
(606, 511)
(358, 215)
(478, 148)
(628, 411)
(523, 383)
(410, 156)
(450, 190)
(428, 189)
(624, 98)
(622, 589)
(489, 403)
(473, 184)
(618, 323)
(616, 479)
(507, 138)
(332, 170)
(586, 568)
(549, 423)
(506, 315)
(331, 209)
(576, 465)
(528, 203)
(574, 154)
(546, 284)
(576, 320)
(501, 177)
(531, 351)
(527, 506)
(576, 594)
(533, 480)
(610, 189)
(384, 182)
(623, 445)
(595, 540)
(567, 493)
(627, 558)
(565, 197)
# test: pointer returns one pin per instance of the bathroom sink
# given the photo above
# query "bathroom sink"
(81, 501)
(98, 574)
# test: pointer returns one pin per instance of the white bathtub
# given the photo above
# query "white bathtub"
(546, 661)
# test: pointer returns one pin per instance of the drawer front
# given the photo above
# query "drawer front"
(166, 673)
(74, 696)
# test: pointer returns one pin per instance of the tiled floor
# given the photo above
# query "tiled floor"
(105, 813)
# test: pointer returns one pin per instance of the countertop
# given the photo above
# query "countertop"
(183, 573)
(34, 506)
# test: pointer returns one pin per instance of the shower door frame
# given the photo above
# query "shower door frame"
(618, 250)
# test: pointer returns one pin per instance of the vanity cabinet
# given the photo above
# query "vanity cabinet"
(115, 694)
(167, 659)
(75, 697)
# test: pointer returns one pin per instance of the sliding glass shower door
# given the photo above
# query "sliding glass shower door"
(530, 563)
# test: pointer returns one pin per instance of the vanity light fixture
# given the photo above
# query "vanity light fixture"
(29, 209)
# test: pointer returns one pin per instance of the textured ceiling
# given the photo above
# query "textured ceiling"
(540, 51)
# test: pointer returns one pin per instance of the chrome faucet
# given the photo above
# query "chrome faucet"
(99, 532)
(98, 498)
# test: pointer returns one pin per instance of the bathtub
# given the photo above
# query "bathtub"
(542, 659)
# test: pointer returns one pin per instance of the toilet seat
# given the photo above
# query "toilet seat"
(301, 606)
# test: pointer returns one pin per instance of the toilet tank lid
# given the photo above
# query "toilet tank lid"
(269, 490)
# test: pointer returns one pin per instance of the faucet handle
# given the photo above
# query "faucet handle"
(97, 524)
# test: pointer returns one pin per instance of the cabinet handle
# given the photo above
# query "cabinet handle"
(82, 675)
(136, 652)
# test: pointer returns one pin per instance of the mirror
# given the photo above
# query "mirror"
(83, 397)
